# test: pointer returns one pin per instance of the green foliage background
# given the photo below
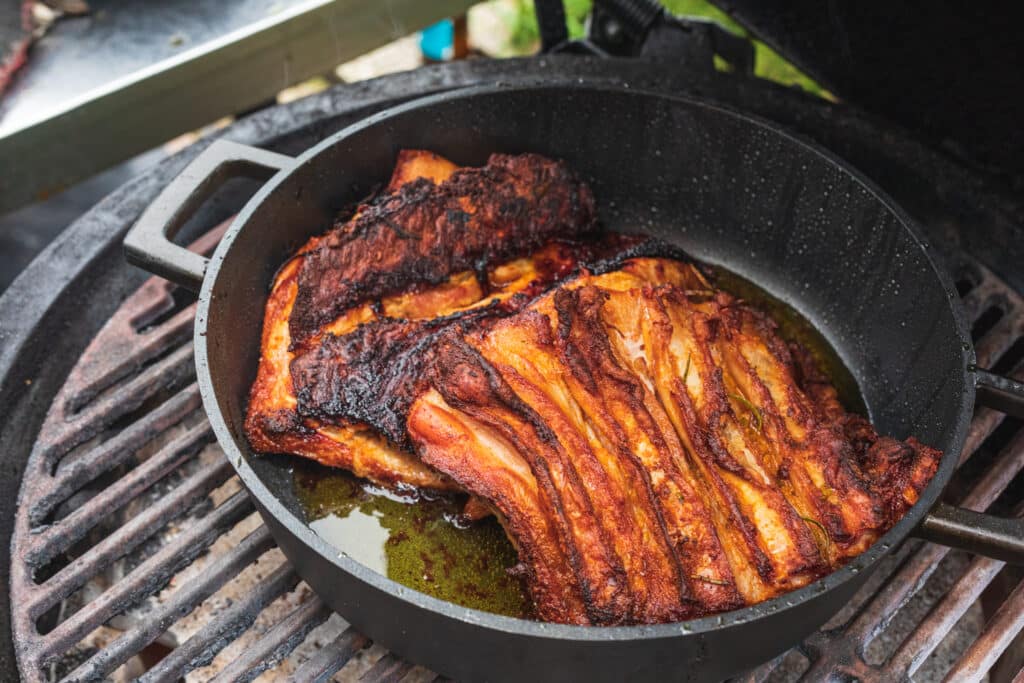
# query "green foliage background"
(769, 64)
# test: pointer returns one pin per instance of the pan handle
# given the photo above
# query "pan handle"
(1002, 393)
(148, 244)
(1000, 538)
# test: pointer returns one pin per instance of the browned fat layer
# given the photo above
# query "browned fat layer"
(531, 361)
(423, 232)
(807, 557)
(498, 473)
(812, 500)
(613, 406)
(473, 385)
(734, 525)
(683, 496)
(848, 520)
(731, 522)
(610, 430)
(603, 575)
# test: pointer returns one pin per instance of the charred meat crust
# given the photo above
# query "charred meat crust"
(273, 420)
(372, 373)
(423, 232)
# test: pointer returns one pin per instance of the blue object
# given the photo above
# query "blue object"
(437, 41)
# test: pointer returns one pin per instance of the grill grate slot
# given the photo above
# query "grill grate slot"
(999, 632)
(122, 541)
(387, 669)
(985, 322)
(1012, 358)
(330, 659)
(183, 602)
(276, 643)
(987, 292)
(127, 429)
(168, 374)
(152, 575)
(943, 616)
(58, 537)
(178, 315)
(151, 351)
(200, 649)
(87, 467)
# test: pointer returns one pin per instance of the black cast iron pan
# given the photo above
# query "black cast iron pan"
(727, 188)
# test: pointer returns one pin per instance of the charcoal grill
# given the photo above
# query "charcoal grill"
(135, 552)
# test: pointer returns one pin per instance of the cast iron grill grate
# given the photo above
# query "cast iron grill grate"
(136, 552)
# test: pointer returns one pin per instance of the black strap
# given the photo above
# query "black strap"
(551, 21)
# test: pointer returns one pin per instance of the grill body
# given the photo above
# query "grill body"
(64, 299)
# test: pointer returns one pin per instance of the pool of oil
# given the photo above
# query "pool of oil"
(414, 539)
(419, 541)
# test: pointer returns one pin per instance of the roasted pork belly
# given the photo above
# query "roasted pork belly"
(661, 433)
(652, 446)
(333, 428)
(424, 231)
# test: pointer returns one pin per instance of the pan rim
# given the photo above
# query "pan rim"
(524, 627)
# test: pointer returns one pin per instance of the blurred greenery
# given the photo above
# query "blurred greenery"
(524, 36)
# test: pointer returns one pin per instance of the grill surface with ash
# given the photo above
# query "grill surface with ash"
(140, 555)
(136, 553)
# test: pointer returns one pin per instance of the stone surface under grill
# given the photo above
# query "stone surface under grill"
(148, 553)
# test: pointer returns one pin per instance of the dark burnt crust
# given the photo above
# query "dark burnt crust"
(423, 232)
(372, 374)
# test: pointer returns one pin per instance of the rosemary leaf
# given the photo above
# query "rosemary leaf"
(755, 413)
(707, 579)
(823, 530)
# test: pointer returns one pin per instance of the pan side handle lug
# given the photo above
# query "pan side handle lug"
(148, 244)
(1000, 538)
(1001, 393)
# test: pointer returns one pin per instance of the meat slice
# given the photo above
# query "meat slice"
(273, 424)
(342, 402)
(430, 228)
(341, 410)
(661, 432)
